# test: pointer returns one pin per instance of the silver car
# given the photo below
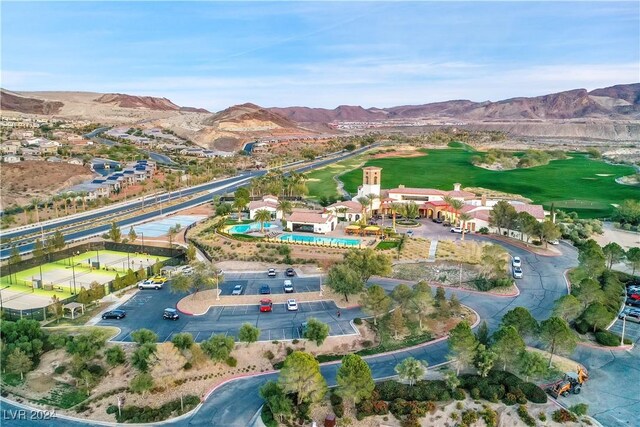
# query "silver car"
(237, 290)
(517, 273)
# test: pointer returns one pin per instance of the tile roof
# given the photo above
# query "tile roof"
(418, 191)
(309, 217)
(537, 211)
(259, 204)
(350, 204)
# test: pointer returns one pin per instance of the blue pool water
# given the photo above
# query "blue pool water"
(245, 228)
(319, 240)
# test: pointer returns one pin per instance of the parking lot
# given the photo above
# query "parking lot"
(251, 283)
(144, 310)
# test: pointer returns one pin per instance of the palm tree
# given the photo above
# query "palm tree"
(239, 204)
(395, 208)
(411, 370)
(464, 217)
(54, 201)
(494, 260)
(285, 207)
(455, 204)
(410, 210)
(262, 215)
(35, 202)
(372, 197)
(364, 201)
(83, 195)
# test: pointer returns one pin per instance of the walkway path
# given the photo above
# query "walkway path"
(432, 251)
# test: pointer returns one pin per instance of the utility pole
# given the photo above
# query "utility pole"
(624, 323)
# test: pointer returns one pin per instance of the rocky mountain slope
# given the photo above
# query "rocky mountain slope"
(10, 101)
(129, 101)
(616, 102)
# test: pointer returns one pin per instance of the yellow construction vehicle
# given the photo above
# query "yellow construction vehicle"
(571, 383)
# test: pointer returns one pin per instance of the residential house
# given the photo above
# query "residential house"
(91, 191)
(268, 203)
(11, 158)
(75, 161)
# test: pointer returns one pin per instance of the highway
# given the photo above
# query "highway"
(24, 237)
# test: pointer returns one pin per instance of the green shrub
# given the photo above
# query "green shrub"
(147, 414)
(534, 393)
(609, 339)
(468, 417)
(475, 393)
(295, 341)
(187, 366)
(357, 321)
(458, 394)
(337, 405)
(269, 354)
(525, 417)
(580, 409)
(60, 369)
(509, 399)
(563, 416)
(231, 361)
(542, 416)
(112, 409)
(489, 416)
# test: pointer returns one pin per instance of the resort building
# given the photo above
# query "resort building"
(432, 203)
(346, 210)
(312, 222)
(268, 203)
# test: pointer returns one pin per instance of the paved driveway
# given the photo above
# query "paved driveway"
(251, 283)
(144, 310)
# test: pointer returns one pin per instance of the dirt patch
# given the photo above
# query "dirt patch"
(23, 181)
(404, 151)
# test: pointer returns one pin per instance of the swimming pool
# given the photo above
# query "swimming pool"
(246, 228)
(329, 241)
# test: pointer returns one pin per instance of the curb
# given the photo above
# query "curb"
(518, 244)
(512, 295)
(603, 348)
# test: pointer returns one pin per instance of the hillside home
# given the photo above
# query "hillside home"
(10, 158)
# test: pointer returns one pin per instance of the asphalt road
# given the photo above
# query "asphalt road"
(251, 283)
(25, 245)
(145, 308)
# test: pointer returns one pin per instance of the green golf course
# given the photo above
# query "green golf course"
(578, 183)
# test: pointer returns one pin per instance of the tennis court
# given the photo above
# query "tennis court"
(63, 277)
(161, 227)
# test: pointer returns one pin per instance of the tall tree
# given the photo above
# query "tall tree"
(203, 277)
(218, 347)
(364, 202)
(376, 302)
(183, 340)
(462, 345)
(464, 218)
(483, 360)
(395, 208)
(591, 258)
(532, 364)
(114, 233)
(191, 252)
(557, 336)
(262, 216)
(633, 259)
(276, 399)
(58, 240)
(508, 346)
(248, 333)
(316, 331)
(482, 334)
(239, 203)
(421, 301)
(456, 205)
(494, 260)
(301, 375)
(568, 308)
(597, 315)
(354, 379)
(440, 299)
(613, 253)
(411, 370)
(344, 280)
(18, 362)
(367, 262)
(588, 291)
(132, 235)
(526, 224)
(402, 294)
(396, 321)
(410, 210)
(547, 231)
(503, 215)
(285, 207)
(522, 320)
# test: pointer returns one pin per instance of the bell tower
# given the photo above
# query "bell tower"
(371, 176)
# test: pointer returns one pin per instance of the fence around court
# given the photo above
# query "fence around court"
(176, 256)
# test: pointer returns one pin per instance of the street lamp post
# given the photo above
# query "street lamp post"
(73, 270)
(217, 287)
(142, 235)
(624, 322)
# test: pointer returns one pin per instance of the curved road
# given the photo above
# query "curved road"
(614, 374)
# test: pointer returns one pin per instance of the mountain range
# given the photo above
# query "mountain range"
(611, 113)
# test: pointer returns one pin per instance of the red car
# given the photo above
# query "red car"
(635, 297)
(265, 305)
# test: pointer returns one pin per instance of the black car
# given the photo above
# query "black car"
(114, 314)
(437, 220)
(265, 289)
(290, 272)
(170, 314)
(633, 302)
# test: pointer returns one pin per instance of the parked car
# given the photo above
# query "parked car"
(290, 272)
(237, 290)
(170, 314)
(437, 220)
(265, 289)
(554, 242)
(516, 262)
(271, 272)
(633, 302)
(288, 286)
(159, 279)
(635, 296)
(627, 311)
(292, 305)
(517, 273)
(149, 284)
(456, 229)
(409, 233)
(265, 305)
(446, 223)
(185, 270)
(114, 314)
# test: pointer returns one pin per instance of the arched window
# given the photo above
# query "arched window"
(375, 180)
(366, 179)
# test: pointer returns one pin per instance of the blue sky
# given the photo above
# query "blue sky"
(216, 54)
